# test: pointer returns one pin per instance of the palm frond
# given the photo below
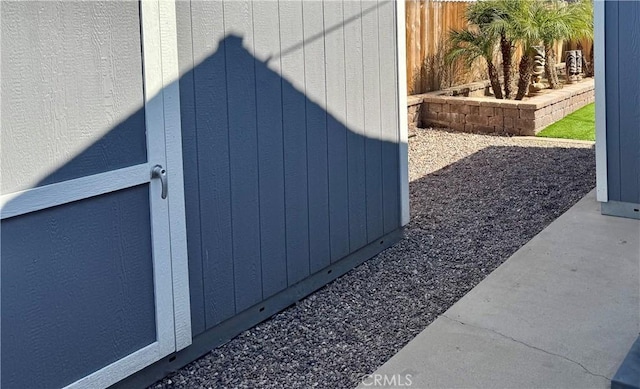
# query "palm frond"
(470, 45)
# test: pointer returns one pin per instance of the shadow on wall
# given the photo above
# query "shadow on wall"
(276, 189)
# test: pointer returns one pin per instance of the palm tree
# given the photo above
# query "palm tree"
(523, 25)
(525, 22)
(471, 45)
(532, 22)
(563, 21)
(488, 16)
(555, 27)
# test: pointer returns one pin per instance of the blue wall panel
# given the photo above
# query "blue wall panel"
(629, 101)
(317, 143)
(243, 157)
(77, 288)
(337, 131)
(210, 94)
(372, 120)
(295, 142)
(389, 116)
(270, 152)
(296, 129)
(356, 163)
(613, 99)
(622, 44)
(190, 163)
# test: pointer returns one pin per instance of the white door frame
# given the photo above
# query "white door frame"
(162, 107)
(403, 140)
(602, 191)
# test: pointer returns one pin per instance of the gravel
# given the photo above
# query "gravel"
(475, 199)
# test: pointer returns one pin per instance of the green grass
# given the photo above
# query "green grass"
(579, 125)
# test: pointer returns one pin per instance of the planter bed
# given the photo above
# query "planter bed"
(489, 115)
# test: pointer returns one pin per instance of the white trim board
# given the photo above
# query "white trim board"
(162, 104)
(117, 371)
(154, 117)
(403, 141)
(602, 191)
(173, 146)
(47, 196)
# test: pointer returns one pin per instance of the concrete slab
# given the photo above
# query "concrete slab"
(449, 354)
(563, 311)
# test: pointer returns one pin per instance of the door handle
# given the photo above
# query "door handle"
(159, 172)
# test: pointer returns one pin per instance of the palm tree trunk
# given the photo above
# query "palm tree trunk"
(550, 67)
(524, 69)
(505, 48)
(494, 79)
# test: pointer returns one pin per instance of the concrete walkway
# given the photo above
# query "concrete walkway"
(562, 312)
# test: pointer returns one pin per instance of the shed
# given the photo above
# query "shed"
(617, 42)
(173, 173)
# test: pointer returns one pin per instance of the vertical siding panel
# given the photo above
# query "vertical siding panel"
(336, 130)
(243, 147)
(389, 116)
(613, 100)
(190, 164)
(629, 102)
(372, 127)
(270, 152)
(355, 124)
(213, 159)
(295, 140)
(319, 247)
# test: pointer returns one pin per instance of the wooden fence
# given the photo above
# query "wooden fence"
(428, 23)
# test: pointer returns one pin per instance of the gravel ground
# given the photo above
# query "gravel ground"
(475, 199)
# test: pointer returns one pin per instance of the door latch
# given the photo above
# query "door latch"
(159, 172)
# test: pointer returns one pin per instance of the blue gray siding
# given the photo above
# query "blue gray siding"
(622, 45)
(289, 115)
(77, 288)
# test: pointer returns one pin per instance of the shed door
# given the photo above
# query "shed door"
(87, 284)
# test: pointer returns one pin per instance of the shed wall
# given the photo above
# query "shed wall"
(290, 134)
(622, 43)
(290, 140)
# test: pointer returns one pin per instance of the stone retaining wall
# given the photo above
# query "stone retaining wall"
(414, 106)
(487, 115)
